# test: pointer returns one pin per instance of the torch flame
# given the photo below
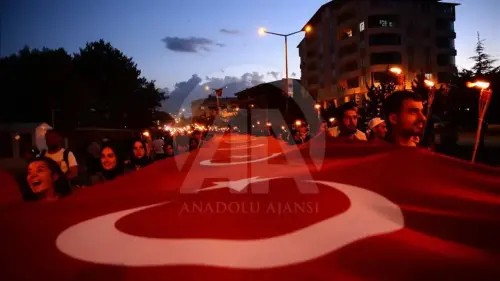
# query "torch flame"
(480, 84)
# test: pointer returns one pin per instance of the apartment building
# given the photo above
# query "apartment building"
(353, 42)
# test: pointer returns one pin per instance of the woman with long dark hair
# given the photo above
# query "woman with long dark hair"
(138, 155)
(46, 180)
(112, 164)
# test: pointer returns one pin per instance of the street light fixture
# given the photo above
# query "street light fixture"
(263, 31)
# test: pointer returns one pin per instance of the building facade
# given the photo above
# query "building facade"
(353, 42)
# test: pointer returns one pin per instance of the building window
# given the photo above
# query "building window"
(385, 39)
(428, 76)
(383, 21)
(347, 50)
(345, 34)
(346, 16)
(350, 66)
(444, 43)
(353, 83)
(362, 26)
(444, 24)
(445, 60)
(385, 58)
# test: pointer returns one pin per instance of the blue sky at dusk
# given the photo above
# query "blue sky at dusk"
(138, 27)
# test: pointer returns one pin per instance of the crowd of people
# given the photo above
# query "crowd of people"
(403, 124)
(54, 173)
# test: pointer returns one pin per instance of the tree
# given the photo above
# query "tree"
(35, 84)
(483, 61)
(113, 87)
(99, 86)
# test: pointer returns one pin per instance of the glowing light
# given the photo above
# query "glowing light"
(396, 70)
(479, 84)
(298, 123)
(331, 120)
(429, 83)
(146, 134)
(317, 106)
(268, 124)
(262, 31)
(308, 28)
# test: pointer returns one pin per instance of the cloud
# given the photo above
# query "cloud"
(274, 74)
(189, 45)
(194, 88)
(229, 31)
(294, 74)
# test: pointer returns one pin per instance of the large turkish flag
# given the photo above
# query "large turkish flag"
(243, 208)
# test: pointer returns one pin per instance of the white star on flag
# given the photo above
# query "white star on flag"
(237, 185)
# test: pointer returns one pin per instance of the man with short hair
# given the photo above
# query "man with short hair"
(404, 113)
(65, 159)
(348, 123)
(378, 129)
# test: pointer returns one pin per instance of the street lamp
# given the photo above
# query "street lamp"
(484, 101)
(263, 31)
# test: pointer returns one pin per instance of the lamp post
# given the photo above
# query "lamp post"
(484, 101)
(263, 31)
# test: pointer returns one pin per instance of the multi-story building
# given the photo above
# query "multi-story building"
(353, 42)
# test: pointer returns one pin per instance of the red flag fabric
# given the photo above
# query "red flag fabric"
(248, 208)
(9, 189)
(218, 92)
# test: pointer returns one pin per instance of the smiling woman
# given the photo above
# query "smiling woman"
(46, 180)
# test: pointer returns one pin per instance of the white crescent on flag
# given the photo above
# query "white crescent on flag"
(98, 241)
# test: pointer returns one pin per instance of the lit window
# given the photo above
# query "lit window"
(361, 26)
(384, 23)
(428, 76)
(349, 33)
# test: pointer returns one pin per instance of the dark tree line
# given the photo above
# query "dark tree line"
(97, 87)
